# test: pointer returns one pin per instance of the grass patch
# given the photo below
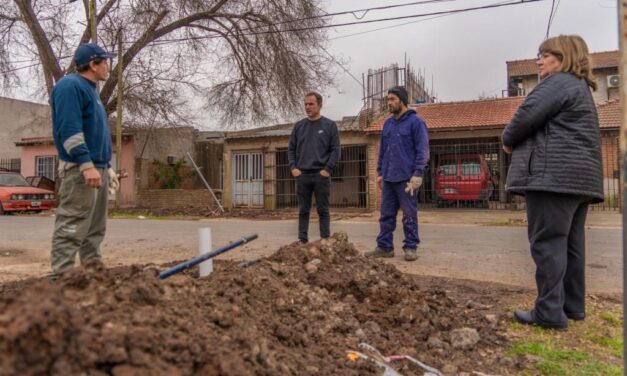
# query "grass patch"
(133, 215)
(546, 351)
(564, 362)
(514, 222)
(614, 344)
(611, 319)
(593, 347)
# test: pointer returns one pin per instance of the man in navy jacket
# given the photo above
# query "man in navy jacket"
(83, 141)
(403, 156)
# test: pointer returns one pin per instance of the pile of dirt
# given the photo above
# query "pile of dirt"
(296, 312)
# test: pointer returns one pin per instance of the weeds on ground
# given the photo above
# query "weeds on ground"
(590, 347)
(138, 215)
(514, 222)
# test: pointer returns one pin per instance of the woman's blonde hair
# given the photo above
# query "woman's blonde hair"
(572, 52)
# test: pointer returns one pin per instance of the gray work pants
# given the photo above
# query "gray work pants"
(81, 219)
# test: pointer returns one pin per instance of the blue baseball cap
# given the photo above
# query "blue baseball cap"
(90, 51)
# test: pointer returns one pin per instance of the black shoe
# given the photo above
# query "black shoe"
(302, 242)
(576, 316)
(526, 317)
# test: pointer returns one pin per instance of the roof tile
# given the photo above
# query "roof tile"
(487, 113)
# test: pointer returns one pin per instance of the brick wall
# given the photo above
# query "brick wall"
(175, 198)
(374, 194)
(610, 153)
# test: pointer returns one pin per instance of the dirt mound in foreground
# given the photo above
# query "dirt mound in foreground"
(296, 312)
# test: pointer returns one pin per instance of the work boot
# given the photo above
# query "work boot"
(410, 254)
(380, 252)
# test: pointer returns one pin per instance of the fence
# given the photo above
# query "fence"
(13, 164)
(473, 174)
(466, 174)
(349, 183)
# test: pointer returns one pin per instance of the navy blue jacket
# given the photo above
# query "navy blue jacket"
(79, 123)
(404, 149)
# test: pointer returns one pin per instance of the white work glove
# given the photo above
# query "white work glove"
(413, 184)
(114, 183)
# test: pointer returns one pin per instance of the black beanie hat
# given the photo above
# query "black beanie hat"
(400, 92)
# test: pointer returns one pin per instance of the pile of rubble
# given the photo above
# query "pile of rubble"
(304, 310)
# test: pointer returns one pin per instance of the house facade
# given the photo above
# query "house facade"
(522, 76)
(39, 158)
(257, 175)
(473, 129)
(19, 119)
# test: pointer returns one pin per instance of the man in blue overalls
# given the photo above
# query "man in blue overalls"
(403, 156)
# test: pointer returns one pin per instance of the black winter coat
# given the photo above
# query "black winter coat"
(556, 140)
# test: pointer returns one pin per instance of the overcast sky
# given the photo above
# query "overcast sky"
(464, 53)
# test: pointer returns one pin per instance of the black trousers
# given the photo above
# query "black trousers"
(557, 238)
(307, 185)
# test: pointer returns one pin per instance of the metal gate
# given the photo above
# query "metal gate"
(349, 183)
(248, 179)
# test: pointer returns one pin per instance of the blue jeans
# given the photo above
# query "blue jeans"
(394, 197)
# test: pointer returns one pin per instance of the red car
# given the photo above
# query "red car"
(17, 195)
(463, 177)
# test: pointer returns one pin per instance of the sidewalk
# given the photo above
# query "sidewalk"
(605, 219)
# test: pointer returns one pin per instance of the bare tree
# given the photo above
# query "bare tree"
(245, 59)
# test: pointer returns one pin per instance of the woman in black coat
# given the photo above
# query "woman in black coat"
(555, 143)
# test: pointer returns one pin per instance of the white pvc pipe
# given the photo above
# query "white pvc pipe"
(204, 246)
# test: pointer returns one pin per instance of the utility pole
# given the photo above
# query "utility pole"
(118, 118)
(622, 41)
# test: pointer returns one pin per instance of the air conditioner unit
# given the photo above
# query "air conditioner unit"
(613, 81)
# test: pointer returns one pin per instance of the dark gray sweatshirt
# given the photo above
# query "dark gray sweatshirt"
(314, 145)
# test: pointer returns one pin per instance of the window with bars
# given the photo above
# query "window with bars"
(46, 166)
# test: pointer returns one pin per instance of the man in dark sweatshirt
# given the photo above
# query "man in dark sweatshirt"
(83, 142)
(313, 152)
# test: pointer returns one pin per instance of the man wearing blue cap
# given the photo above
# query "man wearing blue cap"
(403, 156)
(83, 141)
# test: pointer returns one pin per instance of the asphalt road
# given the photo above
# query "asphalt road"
(467, 251)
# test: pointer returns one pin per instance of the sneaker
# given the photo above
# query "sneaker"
(302, 242)
(380, 252)
(410, 254)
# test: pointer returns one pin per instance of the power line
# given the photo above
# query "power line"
(389, 27)
(548, 25)
(435, 14)
(553, 17)
(454, 11)
(353, 12)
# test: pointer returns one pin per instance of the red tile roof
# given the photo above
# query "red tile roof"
(486, 114)
(609, 114)
(472, 114)
(606, 59)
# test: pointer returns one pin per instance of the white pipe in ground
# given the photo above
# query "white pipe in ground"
(204, 246)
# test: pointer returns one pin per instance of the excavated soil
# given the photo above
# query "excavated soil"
(296, 312)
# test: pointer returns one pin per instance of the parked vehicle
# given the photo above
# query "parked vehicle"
(16, 195)
(463, 177)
